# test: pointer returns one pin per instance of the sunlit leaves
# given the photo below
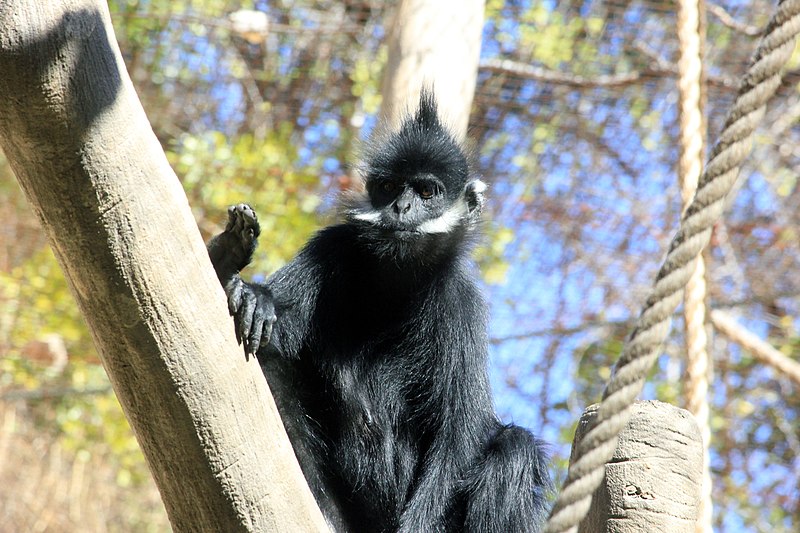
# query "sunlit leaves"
(366, 75)
(264, 172)
(490, 255)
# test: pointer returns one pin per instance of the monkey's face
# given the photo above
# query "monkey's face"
(405, 206)
(417, 212)
(421, 197)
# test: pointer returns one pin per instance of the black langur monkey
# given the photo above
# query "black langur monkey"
(373, 341)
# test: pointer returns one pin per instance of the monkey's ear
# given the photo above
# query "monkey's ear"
(473, 195)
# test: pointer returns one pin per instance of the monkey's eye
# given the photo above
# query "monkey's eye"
(426, 192)
(388, 186)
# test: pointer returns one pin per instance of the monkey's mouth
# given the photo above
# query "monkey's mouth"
(405, 233)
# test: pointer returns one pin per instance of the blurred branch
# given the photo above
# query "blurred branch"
(668, 68)
(226, 24)
(536, 73)
(624, 325)
(562, 331)
(56, 392)
(727, 20)
(524, 70)
(759, 348)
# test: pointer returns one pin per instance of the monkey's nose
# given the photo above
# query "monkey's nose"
(402, 208)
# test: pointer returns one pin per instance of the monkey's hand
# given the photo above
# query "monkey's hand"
(253, 313)
(250, 305)
(232, 250)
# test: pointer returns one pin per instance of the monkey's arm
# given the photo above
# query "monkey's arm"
(251, 305)
(295, 287)
(317, 274)
(272, 317)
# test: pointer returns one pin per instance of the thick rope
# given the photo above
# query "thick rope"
(690, 71)
(652, 327)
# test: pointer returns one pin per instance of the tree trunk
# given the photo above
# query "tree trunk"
(438, 43)
(118, 220)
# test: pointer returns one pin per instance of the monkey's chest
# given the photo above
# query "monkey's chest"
(379, 368)
(376, 442)
(376, 360)
(372, 397)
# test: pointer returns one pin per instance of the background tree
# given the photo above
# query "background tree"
(575, 123)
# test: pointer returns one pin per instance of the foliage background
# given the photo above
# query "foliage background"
(581, 153)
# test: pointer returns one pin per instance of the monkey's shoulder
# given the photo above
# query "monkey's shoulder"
(333, 243)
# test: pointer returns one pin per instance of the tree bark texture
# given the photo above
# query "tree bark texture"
(118, 220)
(653, 481)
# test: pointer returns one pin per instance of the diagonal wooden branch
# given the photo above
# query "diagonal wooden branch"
(760, 349)
(727, 20)
(118, 220)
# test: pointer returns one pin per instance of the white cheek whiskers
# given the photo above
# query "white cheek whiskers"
(478, 186)
(373, 217)
(360, 208)
(448, 220)
(458, 212)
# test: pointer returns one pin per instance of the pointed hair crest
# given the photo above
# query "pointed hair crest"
(427, 115)
(422, 145)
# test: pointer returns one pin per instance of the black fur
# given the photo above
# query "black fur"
(377, 358)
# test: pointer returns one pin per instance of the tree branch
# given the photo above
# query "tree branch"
(532, 72)
(760, 349)
(524, 70)
(727, 20)
(118, 220)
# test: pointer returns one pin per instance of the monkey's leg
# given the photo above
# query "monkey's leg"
(507, 489)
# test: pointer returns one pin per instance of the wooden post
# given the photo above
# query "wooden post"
(652, 484)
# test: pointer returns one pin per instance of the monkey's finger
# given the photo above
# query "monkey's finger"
(268, 329)
(235, 221)
(231, 219)
(254, 340)
(238, 335)
(246, 316)
(234, 289)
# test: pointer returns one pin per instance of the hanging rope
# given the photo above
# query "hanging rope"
(690, 72)
(652, 327)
